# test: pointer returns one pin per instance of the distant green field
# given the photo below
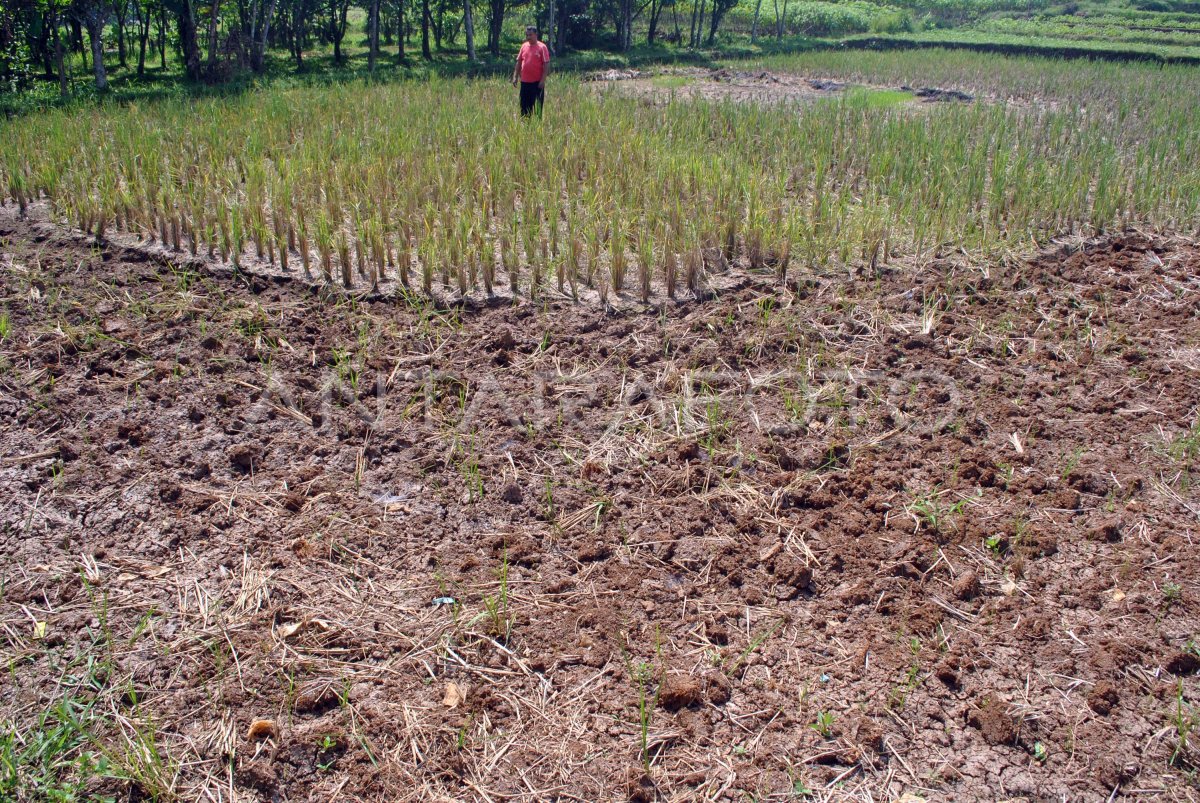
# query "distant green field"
(1154, 29)
(1013, 44)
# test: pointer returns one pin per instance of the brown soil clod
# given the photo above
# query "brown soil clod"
(1109, 529)
(996, 722)
(1184, 663)
(1103, 697)
(966, 587)
(793, 574)
(718, 688)
(680, 691)
(236, 547)
(315, 696)
(947, 672)
(244, 457)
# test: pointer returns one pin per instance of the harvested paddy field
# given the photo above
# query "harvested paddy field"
(928, 529)
(707, 451)
(761, 86)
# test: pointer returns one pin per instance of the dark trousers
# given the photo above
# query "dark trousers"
(531, 95)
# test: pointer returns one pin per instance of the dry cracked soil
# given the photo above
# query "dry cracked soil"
(926, 532)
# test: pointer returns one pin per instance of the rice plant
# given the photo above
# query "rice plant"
(369, 183)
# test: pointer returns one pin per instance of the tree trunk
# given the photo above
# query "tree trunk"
(495, 26)
(469, 26)
(401, 32)
(95, 31)
(188, 42)
(425, 20)
(258, 44)
(298, 33)
(625, 9)
(143, 40)
(248, 19)
(552, 27)
(59, 62)
(438, 25)
(782, 23)
(162, 37)
(45, 47)
(754, 25)
(213, 15)
(652, 30)
(77, 41)
(121, 11)
(142, 14)
(372, 36)
(335, 31)
(715, 16)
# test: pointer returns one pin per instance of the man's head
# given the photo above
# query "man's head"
(531, 33)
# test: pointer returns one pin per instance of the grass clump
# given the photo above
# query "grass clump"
(51, 760)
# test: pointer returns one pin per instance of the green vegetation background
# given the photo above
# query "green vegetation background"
(1160, 31)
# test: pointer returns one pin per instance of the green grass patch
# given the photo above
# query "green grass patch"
(671, 81)
(49, 761)
(861, 97)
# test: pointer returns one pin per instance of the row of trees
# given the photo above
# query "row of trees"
(213, 39)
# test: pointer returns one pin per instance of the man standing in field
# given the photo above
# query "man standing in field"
(533, 62)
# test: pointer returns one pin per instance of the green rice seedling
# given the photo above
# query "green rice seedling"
(404, 255)
(1185, 721)
(1185, 447)
(509, 261)
(645, 264)
(302, 239)
(496, 607)
(670, 270)
(693, 267)
(343, 250)
(755, 643)
(645, 677)
(360, 255)
(824, 724)
(425, 256)
(50, 760)
(279, 241)
(379, 255)
(616, 255)
(929, 509)
(593, 255)
(324, 242)
(1096, 147)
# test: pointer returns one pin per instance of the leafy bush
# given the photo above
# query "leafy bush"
(893, 22)
(840, 19)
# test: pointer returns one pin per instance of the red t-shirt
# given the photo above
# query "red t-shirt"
(533, 60)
